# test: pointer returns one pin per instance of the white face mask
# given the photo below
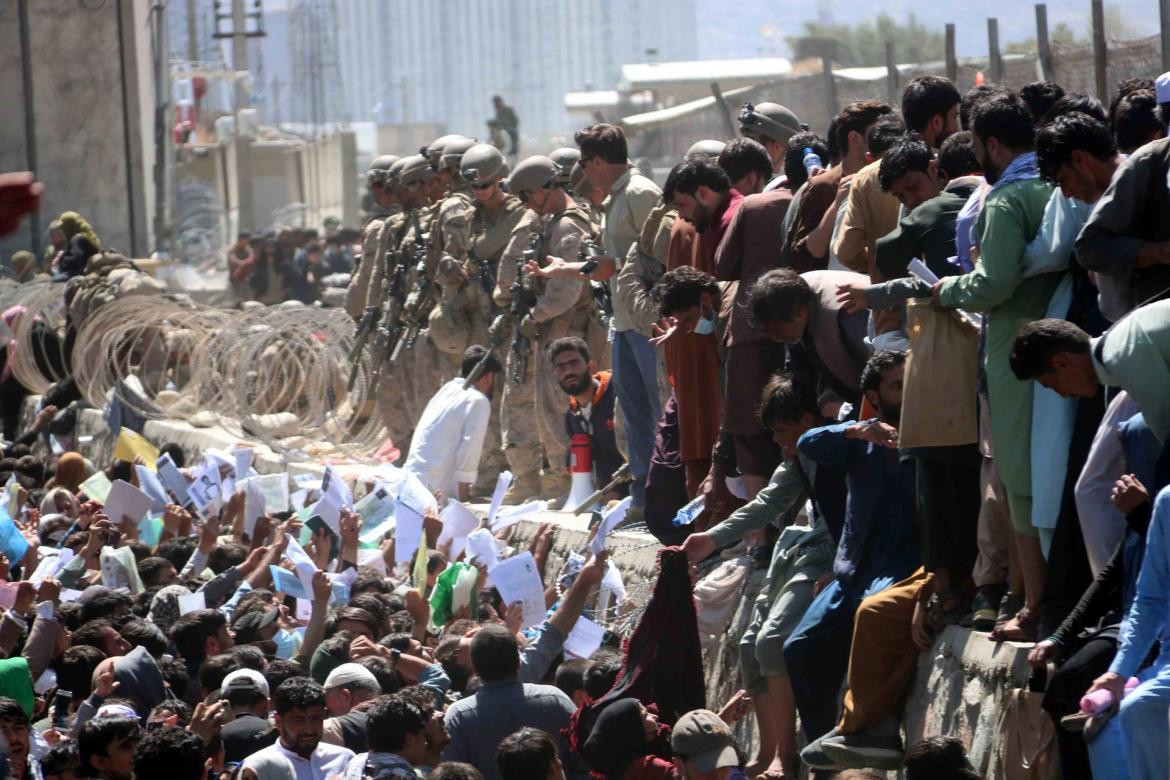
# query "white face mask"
(705, 326)
(287, 643)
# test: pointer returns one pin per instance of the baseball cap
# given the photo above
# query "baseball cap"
(351, 674)
(241, 680)
(1162, 88)
(247, 626)
(702, 738)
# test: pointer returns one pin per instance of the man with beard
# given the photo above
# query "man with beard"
(878, 546)
(300, 719)
(398, 741)
(1011, 217)
(444, 453)
(592, 402)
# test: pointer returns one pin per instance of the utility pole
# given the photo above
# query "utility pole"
(192, 32)
(242, 146)
(162, 103)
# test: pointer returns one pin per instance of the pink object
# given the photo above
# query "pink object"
(1098, 701)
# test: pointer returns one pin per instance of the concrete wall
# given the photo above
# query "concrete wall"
(83, 120)
(330, 179)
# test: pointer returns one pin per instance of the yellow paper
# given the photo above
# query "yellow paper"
(420, 567)
(131, 444)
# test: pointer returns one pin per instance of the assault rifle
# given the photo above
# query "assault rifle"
(523, 300)
(602, 300)
(418, 306)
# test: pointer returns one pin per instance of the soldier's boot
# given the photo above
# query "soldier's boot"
(555, 487)
(524, 488)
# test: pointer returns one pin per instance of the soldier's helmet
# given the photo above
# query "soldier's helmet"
(453, 152)
(482, 164)
(708, 149)
(565, 157)
(770, 120)
(416, 169)
(379, 171)
(578, 184)
(394, 173)
(434, 150)
(533, 174)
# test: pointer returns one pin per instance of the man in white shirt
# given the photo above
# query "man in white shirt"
(300, 719)
(445, 450)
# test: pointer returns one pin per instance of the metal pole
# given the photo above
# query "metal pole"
(1164, 13)
(1099, 53)
(126, 145)
(952, 61)
(192, 32)
(724, 111)
(994, 64)
(891, 74)
(30, 123)
(1043, 47)
(162, 94)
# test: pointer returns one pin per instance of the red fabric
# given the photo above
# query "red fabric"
(651, 768)
(663, 664)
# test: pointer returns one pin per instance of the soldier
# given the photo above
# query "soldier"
(549, 309)
(385, 200)
(772, 125)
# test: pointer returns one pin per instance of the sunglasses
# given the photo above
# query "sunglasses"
(483, 185)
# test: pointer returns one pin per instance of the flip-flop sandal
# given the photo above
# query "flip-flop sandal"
(1024, 627)
(944, 608)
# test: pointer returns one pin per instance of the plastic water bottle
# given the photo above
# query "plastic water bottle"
(811, 160)
(688, 513)
(1098, 701)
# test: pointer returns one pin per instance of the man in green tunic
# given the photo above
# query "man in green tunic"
(999, 287)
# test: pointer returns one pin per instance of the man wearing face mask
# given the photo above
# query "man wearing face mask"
(592, 403)
(703, 195)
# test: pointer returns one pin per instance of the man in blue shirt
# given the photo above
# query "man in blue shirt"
(878, 546)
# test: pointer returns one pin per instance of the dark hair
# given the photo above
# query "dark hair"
(569, 344)
(878, 363)
(1040, 96)
(249, 657)
(92, 633)
(12, 712)
(75, 669)
(956, 156)
(857, 117)
(933, 758)
(529, 754)
(454, 770)
(1037, 342)
(369, 580)
(1136, 120)
(447, 655)
(570, 676)
(786, 399)
(742, 156)
(174, 673)
(225, 556)
(357, 615)
(151, 569)
(605, 141)
(682, 288)
(214, 669)
(104, 604)
(926, 97)
(1072, 132)
(1126, 87)
(389, 720)
(177, 707)
(298, 693)
(972, 98)
(883, 134)
(686, 178)
(471, 357)
(495, 654)
(832, 142)
(794, 158)
(280, 671)
(778, 296)
(170, 749)
(177, 551)
(312, 247)
(1084, 104)
(604, 666)
(139, 632)
(61, 758)
(384, 672)
(1006, 118)
(376, 606)
(95, 737)
(907, 156)
(191, 631)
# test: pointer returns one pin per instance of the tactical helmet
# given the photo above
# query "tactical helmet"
(708, 149)
(771, 120)
(379, 172)
(532, 174)
(434, 149)
(482, 163)
(453, 152)
(565, 157)
(446, 330)
(415, 169)
(394, 174)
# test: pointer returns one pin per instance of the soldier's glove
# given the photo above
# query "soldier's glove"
(530, 328)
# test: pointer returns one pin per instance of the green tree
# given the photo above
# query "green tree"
(865, 43)
(1059, 35)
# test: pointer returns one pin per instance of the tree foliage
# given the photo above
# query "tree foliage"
(865, 43)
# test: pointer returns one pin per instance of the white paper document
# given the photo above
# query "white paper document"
(584, 639)
(611, 520)
(518, 580)
(127, 503)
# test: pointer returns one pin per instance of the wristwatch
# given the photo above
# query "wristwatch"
(395, 654)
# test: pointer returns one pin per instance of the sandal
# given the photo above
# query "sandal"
(1024, 627)
(1009, 605)
(944, 608)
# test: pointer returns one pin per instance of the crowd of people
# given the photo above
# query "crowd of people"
(915, 369)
